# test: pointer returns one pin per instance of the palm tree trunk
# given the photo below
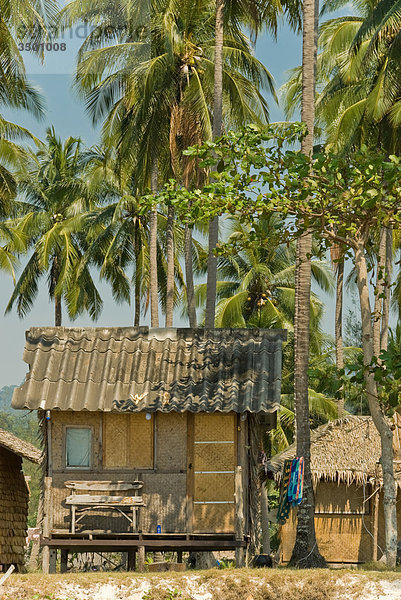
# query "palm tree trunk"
(57, 311)
(305, 553)
(137, 284)
(154, 286)
(339, 328)
(189, 276)
(217, 130)
(55, 274)
(170, 267)
(387, 288)
(379, 419)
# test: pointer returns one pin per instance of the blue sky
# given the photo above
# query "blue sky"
(66, 112)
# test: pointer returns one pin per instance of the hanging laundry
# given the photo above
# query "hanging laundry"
(291, 491)
(295, 484)
(284, 507)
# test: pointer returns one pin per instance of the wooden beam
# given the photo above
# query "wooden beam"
(190, 471)
(52, 560)
(239, 517)
(375, 524)
(264, 516)
(151, 544)
(64, 560)
(131, 560)
(47, 520)
(243, 461)
(141, 558)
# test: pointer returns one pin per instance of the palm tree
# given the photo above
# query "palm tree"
(359, 65)
(24, 22)
(305, 552)
(254, 14)
(257, 285)
(147, 88)
(53, 199)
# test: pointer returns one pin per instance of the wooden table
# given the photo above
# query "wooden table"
(127, 506)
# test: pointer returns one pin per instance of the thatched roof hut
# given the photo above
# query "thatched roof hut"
(14, 496)
(345, 451)
(347, 478)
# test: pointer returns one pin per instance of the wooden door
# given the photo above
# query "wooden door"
(214, 456)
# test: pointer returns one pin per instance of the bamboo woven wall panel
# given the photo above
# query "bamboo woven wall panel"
(214, 487)
(171, 442)
(341, 538)
(141, 441)
(341, 499)
(115, 441)
(94, 520)
(164, 496)
(344, 538)
(214, 457)
(127, 441)
(13, 509)
(215, 426)
(214, 518)
(61, 419)
(165, 499)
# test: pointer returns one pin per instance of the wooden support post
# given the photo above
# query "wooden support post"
(64, 560)
(264, 516)
(141, 558)
(375, 524)
(179, 556)
(190, 470)
(47, 506)
(239, 517)
(52, 561)
(131, 560)
(243, 461)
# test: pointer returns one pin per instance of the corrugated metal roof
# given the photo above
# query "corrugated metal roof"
(136, 369)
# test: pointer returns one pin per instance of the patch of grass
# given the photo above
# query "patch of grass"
(378, 566)
(225, 584)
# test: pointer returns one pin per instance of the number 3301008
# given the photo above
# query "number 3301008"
(49, 47)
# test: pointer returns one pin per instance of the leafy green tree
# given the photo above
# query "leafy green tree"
(255, 14)
(53, 200)
(346, 200)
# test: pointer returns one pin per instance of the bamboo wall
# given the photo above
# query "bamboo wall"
(14, 497)
(165, 489)
(341, 537)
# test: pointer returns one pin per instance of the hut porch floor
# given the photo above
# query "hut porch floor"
(103, 541)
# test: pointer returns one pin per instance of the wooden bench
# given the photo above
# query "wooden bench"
(81, 503)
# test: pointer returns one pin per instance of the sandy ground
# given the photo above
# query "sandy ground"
(230, 584)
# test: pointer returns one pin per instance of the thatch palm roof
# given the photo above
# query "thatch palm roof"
(24, 449)
(347, 451)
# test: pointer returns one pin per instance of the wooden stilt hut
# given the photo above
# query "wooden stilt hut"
(14, 497)
(152, 436)
(347, 477)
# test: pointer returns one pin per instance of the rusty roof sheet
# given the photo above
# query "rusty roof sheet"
(11, 442)
(136, 369)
